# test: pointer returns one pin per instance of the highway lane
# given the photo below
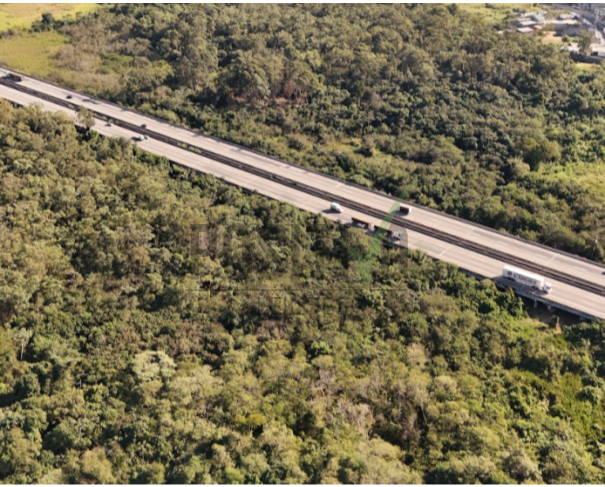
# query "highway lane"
(562, 294)
(567, 263)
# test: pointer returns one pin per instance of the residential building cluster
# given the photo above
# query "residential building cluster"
(570, 23)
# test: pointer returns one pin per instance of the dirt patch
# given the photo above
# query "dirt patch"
(552, 38)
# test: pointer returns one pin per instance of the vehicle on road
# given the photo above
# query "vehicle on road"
(110, 124)
(527, 278)
(138, 138)
(406, 210)
(144, 126)
(336, 208)
(362, 223)
(69, 97)
(14, 77)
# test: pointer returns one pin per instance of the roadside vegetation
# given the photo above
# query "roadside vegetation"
(160, 326)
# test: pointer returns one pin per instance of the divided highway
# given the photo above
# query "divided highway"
(578, 284)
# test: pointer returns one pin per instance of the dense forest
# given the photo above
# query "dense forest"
(160, 326)
(496, 127)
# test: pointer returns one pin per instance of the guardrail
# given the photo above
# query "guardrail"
(410, 225)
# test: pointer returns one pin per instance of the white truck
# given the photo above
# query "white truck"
(336, 208)
(527, 279)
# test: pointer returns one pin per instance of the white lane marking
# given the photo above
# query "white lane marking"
(448, 248)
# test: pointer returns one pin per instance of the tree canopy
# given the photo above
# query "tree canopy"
(157, 325)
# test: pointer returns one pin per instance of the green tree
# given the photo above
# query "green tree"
(584, 42)
(85, 118)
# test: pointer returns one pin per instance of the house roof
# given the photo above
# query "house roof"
(564, 22)
(525, 23)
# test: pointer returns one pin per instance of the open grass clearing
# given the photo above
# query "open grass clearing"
(23, 15)
(31, 53)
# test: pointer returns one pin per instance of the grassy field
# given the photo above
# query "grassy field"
(31, 53)
(497, 12)
(590, 176)
(586, 66)
(22, 15)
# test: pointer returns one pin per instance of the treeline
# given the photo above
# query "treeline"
(494, 127)
(160, 326)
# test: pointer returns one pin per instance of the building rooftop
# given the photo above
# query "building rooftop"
(564, 22)
(526, 23)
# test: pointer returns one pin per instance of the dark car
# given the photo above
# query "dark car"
(144, 126)
(69, 97)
